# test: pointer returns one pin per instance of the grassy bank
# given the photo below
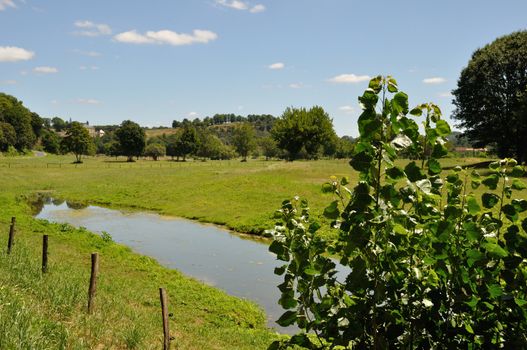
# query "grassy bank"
(49, 311)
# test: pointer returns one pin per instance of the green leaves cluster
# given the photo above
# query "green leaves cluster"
(431, 264)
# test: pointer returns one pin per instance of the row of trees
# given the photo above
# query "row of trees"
(298, 133)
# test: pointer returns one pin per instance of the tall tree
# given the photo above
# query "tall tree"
(243, 139)
(78, 141)
(487, 97)
(12, 111)
(188, 141)
(131, 138)
(301, 130)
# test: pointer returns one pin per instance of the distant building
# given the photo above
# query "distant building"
(91, 129)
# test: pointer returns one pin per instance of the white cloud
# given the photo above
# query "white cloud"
(88, 101)
(89, 68)
(347, 109)
(88, 53)
(234, 4)
(297, 85)
(54, 102)
(166, 37)
(446, 94)
(8, 82)
(241, 5)
(45, 70)
(92, 29)
(4, 4)
(192, 114)
(434, 80)
(277, 65)
(14, 54)
(257, 8)
(349, 79)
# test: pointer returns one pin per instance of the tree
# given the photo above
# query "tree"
(77, 141)
(50, 141)
(58, 124)
(243, 139)
(155, 150)
(425, 263)
(487, 97)
(12, 111)
(268, 147)
(303, 130)
(188, 141)
(131, 138)
(7, 136)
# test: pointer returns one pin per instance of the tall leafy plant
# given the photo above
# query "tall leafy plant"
(429, 264)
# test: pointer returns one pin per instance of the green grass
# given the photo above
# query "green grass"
(48, 312)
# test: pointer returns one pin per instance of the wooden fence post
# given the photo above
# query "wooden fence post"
(164, 313)
(44, 253)
(93, 281)
(11, 235)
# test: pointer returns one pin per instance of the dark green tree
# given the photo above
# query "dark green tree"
(50, 141)
(302, 130)
(58, 124)
(7, 136)
(131, 138)
(188, 141)
(243, 139)
(487, 97)
(78, 141)
(12, 111)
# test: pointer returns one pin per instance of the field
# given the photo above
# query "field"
(48, 311)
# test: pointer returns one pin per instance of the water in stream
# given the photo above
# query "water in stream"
(240, 266)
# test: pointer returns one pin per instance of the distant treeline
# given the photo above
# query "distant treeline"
(297, 134)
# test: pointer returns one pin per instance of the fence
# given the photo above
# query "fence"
(92, 287)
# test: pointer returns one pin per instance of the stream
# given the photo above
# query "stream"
(241, 266)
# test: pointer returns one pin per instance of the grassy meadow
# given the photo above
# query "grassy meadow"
(48, 312)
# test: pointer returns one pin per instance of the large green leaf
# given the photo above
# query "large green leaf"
(395, 173)
(517, 171)
(434, 167)
(400, 103)
(287, 319)
(442, 128)
(518, 185)
(520, 205)
(332, 210)
(361, 161)
(439, 151)
(491, 181)
(510, 212)
(369, 99)
(489, 200)
(392, 85)
(413, 172)
(376, 84)
(495, 250)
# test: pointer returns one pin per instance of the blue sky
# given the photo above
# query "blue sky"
(156, 61)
